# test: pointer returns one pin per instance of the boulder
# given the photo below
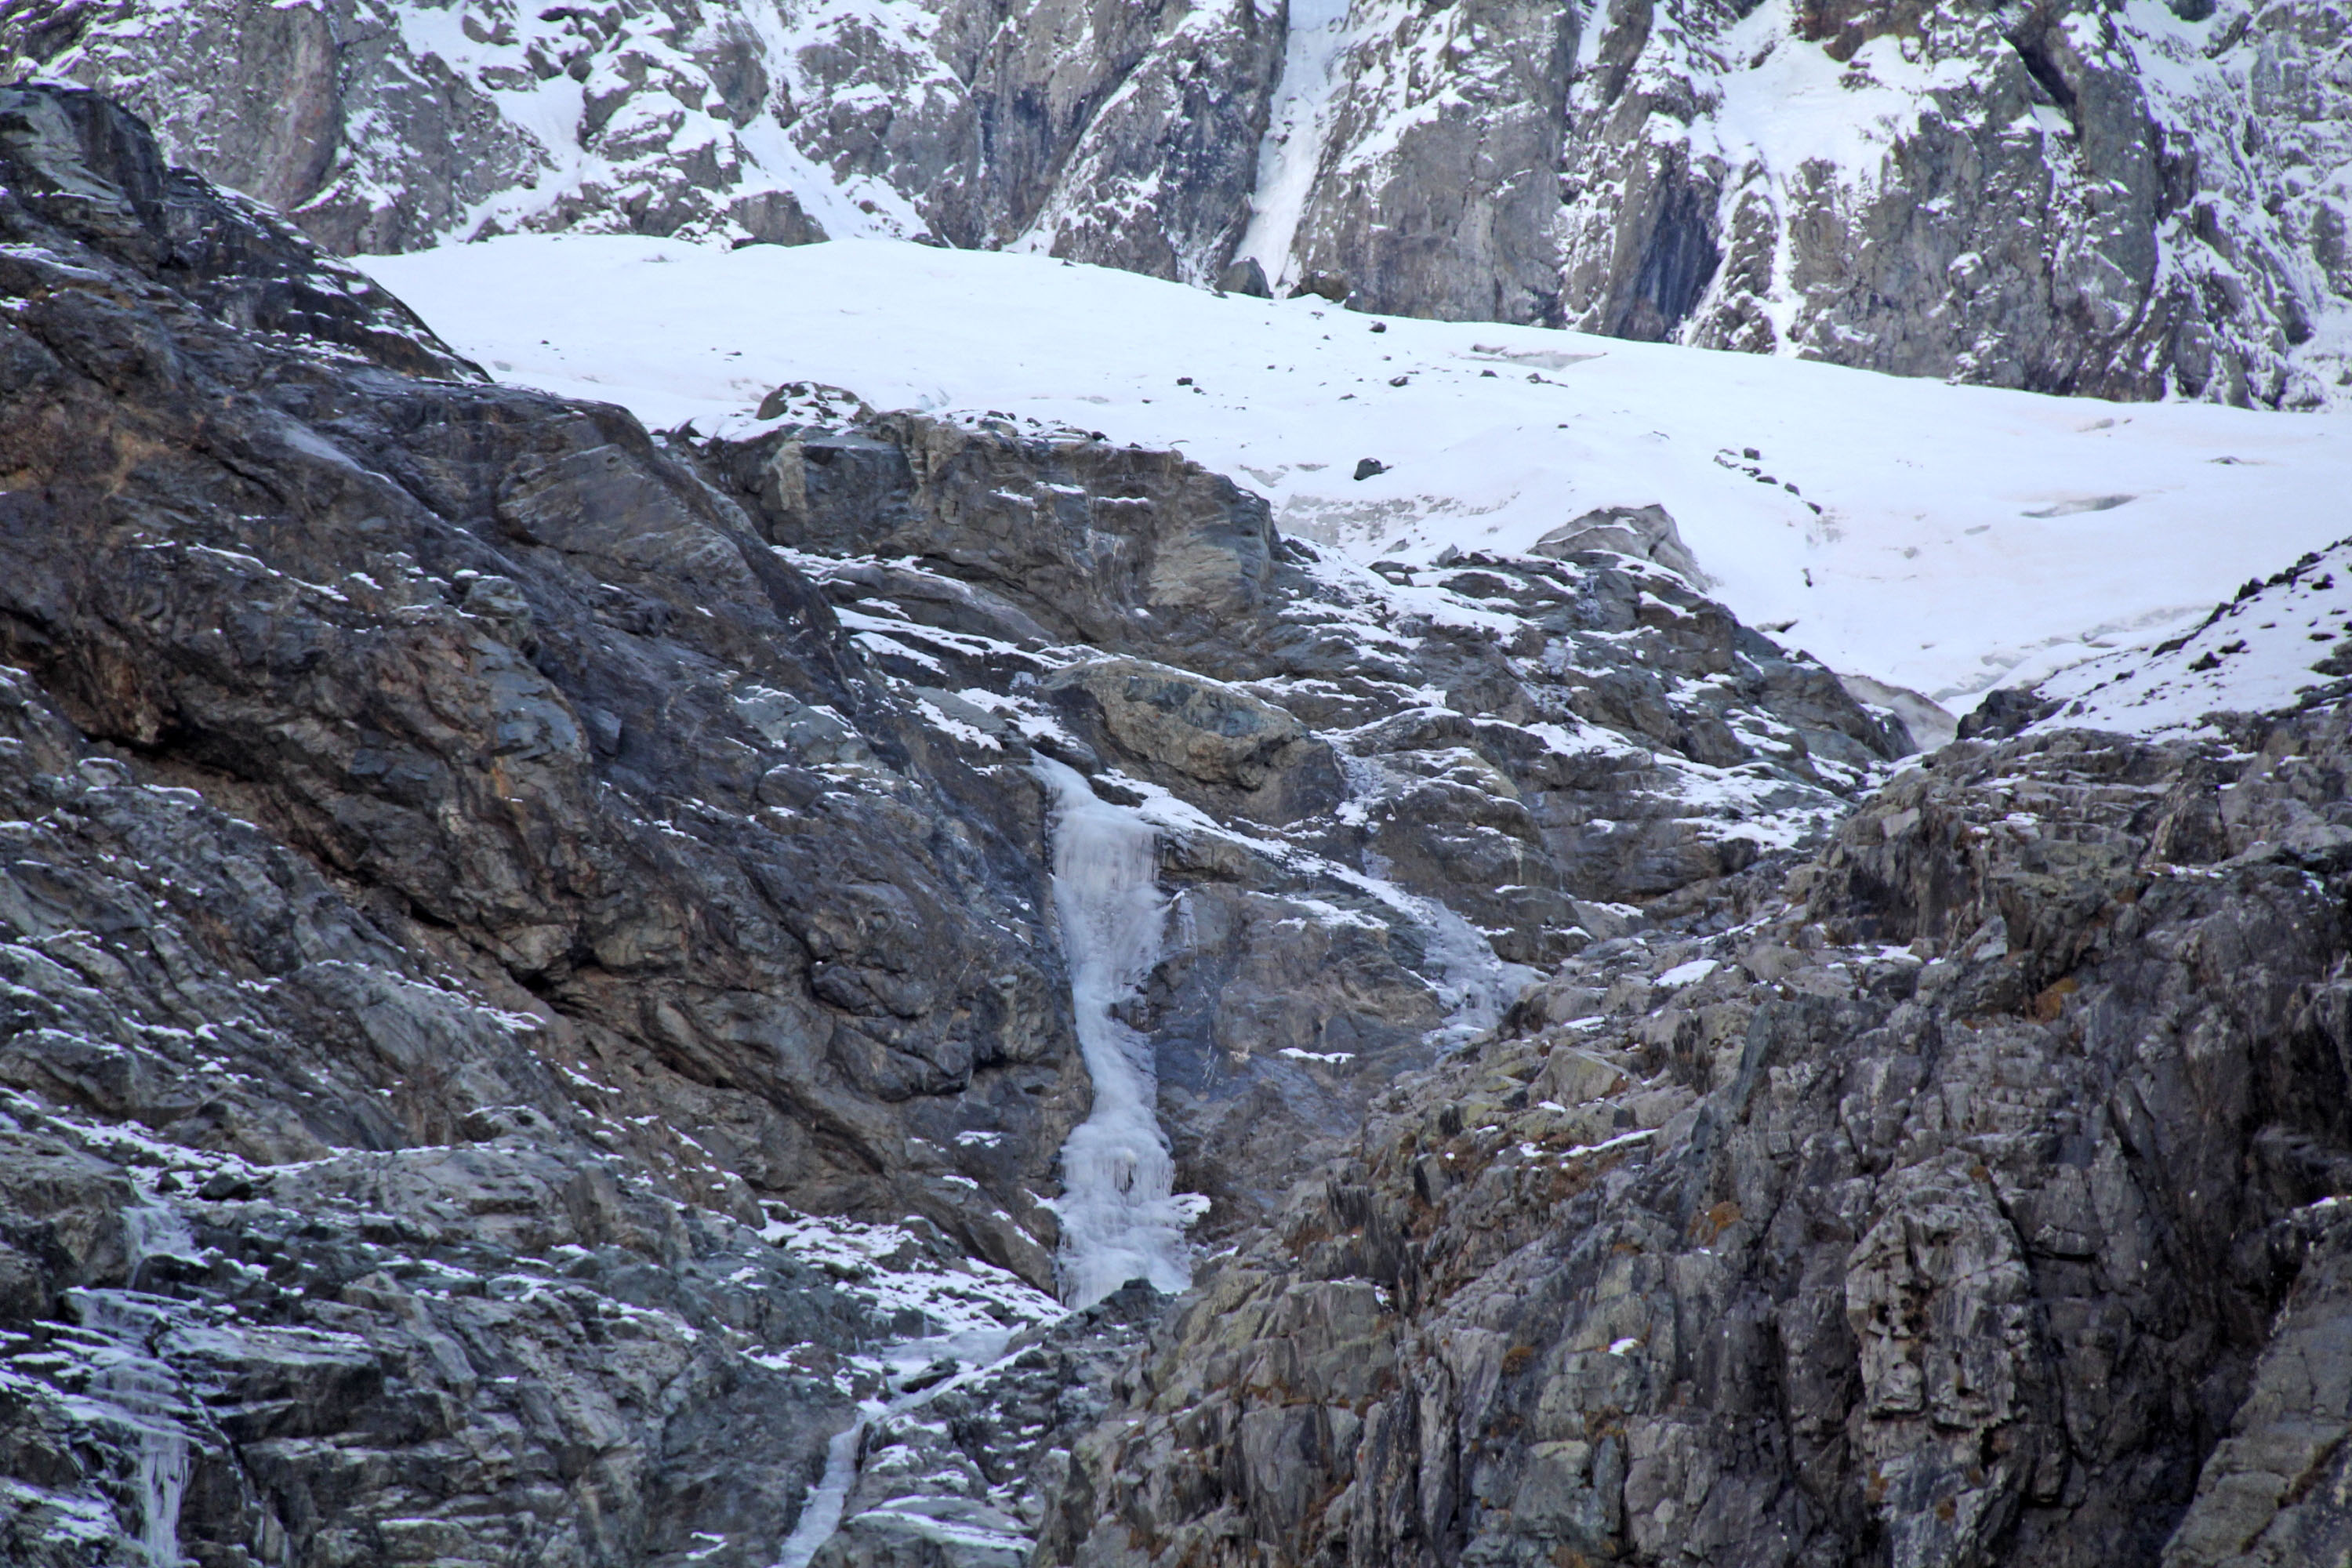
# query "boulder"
(1644, 533)
(1201, 738)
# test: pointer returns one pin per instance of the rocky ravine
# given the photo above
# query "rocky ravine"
(485, 875)
(2128, 201)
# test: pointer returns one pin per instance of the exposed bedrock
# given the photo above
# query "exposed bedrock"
(1976, 1202)
(1368, 790)
(483, 875)
(433, 940)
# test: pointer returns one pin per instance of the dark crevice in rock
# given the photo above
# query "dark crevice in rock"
(2033, 46)
(1678, 260)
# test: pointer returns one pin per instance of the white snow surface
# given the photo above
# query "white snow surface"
(1965, 537)
(2256, 654)
(890, 1270)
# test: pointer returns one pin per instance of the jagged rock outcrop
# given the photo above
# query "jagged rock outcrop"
(2174, 240)
(1979, 1201)
(437, 636)
(1128, 131)
(1435, 185)
(961, 1472)
(2128, 203)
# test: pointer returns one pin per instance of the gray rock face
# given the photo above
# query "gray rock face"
(410, 1036)
(2135, 204)
(1155, 175)
(1976, 1202)
(1647, 531)
(2195, 270)
(1374, 795)
(958, 1473)
(482, 877)
(1121, 133)
(1433, 189)
(442, 666)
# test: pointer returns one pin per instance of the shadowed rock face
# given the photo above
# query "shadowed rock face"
(433, 938)
(507, 674)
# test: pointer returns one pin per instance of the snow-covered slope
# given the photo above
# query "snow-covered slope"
(2129, 199)
(2281, 642)
(1944, 539)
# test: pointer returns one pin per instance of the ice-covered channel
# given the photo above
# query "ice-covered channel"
(977, 1352)
(1121, 1218)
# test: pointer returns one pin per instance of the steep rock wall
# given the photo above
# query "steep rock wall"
(1978, 1200)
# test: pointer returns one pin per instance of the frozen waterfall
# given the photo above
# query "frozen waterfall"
(821, 1513)
(1292, 152)
(138, 1395)
(1120, 1219)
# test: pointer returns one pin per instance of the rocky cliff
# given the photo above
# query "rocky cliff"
(2127, 201)
(541, 1025)
(485, 875)
(1976, 1198)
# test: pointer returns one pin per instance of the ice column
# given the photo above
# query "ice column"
(1301, 122)
(821, 1514)
(163, 1483)
(146, 1399)
(1120, 1220)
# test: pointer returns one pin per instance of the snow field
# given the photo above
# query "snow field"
(1945, 539)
